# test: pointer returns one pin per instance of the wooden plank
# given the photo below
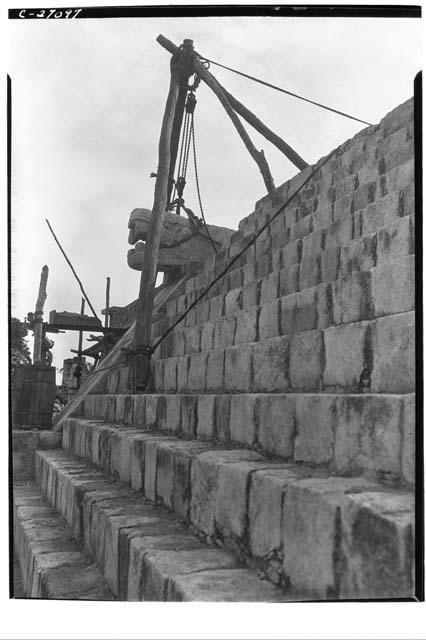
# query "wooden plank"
(38, 316)
(139, 361)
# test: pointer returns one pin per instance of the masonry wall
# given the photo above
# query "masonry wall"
(306, 348)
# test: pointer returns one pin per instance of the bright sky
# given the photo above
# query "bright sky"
(88, 98)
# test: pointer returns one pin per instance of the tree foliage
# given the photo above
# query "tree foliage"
(20, 352)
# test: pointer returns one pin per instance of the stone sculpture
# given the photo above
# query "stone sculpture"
(181, 243)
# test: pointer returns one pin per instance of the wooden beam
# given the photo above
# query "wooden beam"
(265, 131)
(210, 80)
(38, 316)
(139, 359)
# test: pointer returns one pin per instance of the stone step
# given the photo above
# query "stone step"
(52, 564)
(298, 525)
(300, 265)
(264, 313)
(350, 433)
(375, 356)
(143, 551)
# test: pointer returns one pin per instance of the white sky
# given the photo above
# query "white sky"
(88, 98)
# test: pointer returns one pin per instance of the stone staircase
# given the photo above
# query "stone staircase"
(275, 459)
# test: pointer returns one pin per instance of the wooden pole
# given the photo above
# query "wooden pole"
(258, 156)
(38, 316)
(139, 356)
(265, 131)
(80, 347)
(108, 280)
(186, 63)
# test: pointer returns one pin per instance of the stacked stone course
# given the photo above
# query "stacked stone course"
(279, 436)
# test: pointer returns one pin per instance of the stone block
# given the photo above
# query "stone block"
(269, 320)
(378, 561)
(206, 416)
(310, 271)
(368, 434)
(139, 411)
(242, 420)
(151, 410)
(159, 375)
(250, 297)
(359, 255)
(233, 301)
(324, 306)
(289, 280)
(192, 339)
(393, 286)
(364, 195)
(380, 214)
(276, 414)
(393, 344)
(271, 365)
(301, 228)
(396, 240)
(182, 373)
(267, 488)
(246, 330)
(150, 468)
(345, 356)
(188, 416)
(170, 375)
(172, 422)
(207, 336)
(323, 217)
(263, 266)
(401, 176)
(306, 360)
(203, 311)
(310, 530)
(352, 300)
(204, 476)
(231, 497)
(330, 259)
(249, 273)
(316, 425)
(291, 253)
(305, 316)
(217, 307)
(224, 332)
(222, 410)
(269, 288)
(343, 205)
(179, 341)
(236, 279)
(238, 368)
(215, 370)
(340, 233)
(197, 372)
(408, 461)
(288, 314)
(277, 261)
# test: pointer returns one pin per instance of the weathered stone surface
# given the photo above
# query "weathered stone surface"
(222, 411)
(197, 372)
(408, 466)
(352, 298)
(246, 330)
(269, 320)
(368, 434)
(234, 585)
(378, 529)
(242, 419)
(288, 314)
(305, 315)
(204, 474)
(276, 414)
(344, 355)
(396, 240)
(393, 286)
(224, 333)
(316, 424)
(310, 531)
(207, 336)
(206, 416)
(182, 373)
(231, 496)
(393, 343)
(271, 365)
(215, 370)
(306, 355)
(238, 368)
(267, 489)
(188, 416)
(289, 280)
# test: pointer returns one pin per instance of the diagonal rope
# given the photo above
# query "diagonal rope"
(290, 93)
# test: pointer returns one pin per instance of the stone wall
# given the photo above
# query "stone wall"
(305, 349)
